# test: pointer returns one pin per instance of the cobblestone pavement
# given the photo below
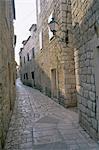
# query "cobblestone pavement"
(38, 123)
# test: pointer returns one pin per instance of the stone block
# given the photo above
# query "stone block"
(94, 123)
(93, 114)
(90, 104)
(84, 101)
(92, 79)
(93, 88)
(86, 94)
(83, 108)
(88, 112)
(94, 107)
(88, 79)
(92, 96)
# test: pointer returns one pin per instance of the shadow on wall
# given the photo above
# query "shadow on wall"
(47, 85)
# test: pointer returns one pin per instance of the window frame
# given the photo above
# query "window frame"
(33, 76)
(33, 52)
(50, 33)
(28, 57)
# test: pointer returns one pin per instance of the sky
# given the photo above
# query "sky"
(25, 17)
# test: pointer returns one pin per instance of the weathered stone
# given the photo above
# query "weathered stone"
(94, 123)
(94, 107)
(7, 67)
(92, 96)
(84, 101)
(90, 105)
(85, 48)
(92, 79)
(68, 59)
(54, 58)
(86, 94)
(93, 114)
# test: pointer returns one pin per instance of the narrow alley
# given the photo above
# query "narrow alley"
(38, 123)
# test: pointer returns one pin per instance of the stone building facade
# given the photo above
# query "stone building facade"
(72, 53)
(67, 62)
(27, 61)
(85, 22)
(55, 69)
(7, 66)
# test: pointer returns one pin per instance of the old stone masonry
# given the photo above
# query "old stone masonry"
(38, 123)
(61, 56)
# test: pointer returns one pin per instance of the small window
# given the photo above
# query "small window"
(24, 76)
(27, 76)
(67, 40)
(51, 34)
(20, 61)
(28, 58)
(32, 73)
(33, 53)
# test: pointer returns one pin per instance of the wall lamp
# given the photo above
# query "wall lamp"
(53, 25)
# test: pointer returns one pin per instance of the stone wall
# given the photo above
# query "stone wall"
(67, 64)
(85, 17)
(7, 67)
(56, 54)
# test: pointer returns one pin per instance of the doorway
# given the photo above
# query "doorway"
(54, 83)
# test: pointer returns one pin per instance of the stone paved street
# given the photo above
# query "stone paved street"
(38, 123)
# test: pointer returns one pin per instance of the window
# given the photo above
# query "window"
(24, 59)
(67, 40)
(54, 82)
(24, 76)
(41, 39)
(49, 20)
(20, 61)
(27, 76)
(32, 73)
(33, 53)
(28, 57)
